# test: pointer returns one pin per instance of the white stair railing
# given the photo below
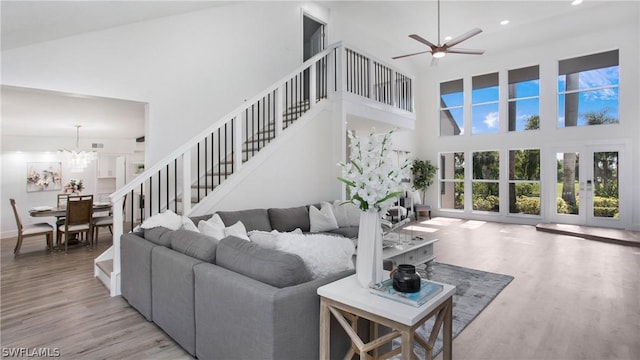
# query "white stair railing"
(193, 171)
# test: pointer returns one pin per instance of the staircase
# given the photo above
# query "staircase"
(204, 166)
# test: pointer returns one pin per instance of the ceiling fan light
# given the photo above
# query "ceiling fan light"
(439, 54)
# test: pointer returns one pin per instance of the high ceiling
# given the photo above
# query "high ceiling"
(531, 22)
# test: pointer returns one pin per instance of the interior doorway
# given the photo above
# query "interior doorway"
(313, 35)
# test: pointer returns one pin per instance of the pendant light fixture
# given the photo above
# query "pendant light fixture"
(78, 159)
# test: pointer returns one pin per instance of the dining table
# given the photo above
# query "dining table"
(61, 211)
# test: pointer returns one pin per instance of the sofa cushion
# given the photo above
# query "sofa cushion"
(350, 232)
(168, 219)
(158, 235)
(194, 244)
(285, 220)
(253, 219)
(269, 266)
(196, 219)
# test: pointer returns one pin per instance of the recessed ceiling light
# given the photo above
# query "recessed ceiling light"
(576, 2)
(447, 38)
(504, 22)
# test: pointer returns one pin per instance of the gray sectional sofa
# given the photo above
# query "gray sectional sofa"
(230, 298)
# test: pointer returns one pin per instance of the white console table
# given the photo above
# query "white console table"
(410, 251)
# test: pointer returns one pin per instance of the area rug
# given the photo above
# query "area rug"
(474, 291)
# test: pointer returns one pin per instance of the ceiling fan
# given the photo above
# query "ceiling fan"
(440, 50)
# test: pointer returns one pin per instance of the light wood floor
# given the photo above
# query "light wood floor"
(571, 298)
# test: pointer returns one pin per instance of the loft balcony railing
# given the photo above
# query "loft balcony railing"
(197, 168)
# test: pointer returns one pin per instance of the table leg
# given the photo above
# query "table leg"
(406, 345)
(325, 327)
(447, 340)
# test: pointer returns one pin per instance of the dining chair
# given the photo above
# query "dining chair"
(78, 218)
(60, 204)
(30, 230)
(106, 221)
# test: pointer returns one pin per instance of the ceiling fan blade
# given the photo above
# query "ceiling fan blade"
(403, 56)
(465, 51)
(434, 61)
(463, 37)
(422, 40)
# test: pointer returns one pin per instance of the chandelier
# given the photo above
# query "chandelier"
(78, 159)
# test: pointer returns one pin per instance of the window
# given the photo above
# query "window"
(451, 108)
(588, 90)
(524, 181)
(484, 104)
(485, 181)
(452, 180)
(524, 99)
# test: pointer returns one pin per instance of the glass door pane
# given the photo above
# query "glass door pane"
(605, 185)
(567, 185)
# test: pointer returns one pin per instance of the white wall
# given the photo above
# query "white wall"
(191, 69)
(301, 170)
(624, 36)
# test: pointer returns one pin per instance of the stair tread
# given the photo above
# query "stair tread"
(106, 266)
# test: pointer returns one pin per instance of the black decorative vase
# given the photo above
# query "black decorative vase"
(405, 279)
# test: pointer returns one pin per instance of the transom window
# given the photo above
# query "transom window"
(451, 108)
(524, 98)
(484, 104)
(588, 90)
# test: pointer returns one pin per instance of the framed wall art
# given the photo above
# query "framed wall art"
(44, 176)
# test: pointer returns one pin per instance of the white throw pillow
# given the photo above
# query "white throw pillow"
(187, 224)
(346, 214)
(323, 219)
(237, 230)
(215, 227)
(322, 254)
(267, 239)
(168, 219)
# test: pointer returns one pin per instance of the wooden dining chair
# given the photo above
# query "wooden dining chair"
(61, 203)
(30, 230)
(78, 218)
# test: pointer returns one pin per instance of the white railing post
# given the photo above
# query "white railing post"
(342, 69)
(186, 182)
(278, 110)
(118, 221)
(331, 73)
(370, 76)
(394, 101)
(312, 86)
(237, 142)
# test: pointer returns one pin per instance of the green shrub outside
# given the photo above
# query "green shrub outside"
(528, 205)
(489, 203)
(561, 206)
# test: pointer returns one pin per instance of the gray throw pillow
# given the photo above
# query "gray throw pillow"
(269, 266)
(194, 244)
(252, 219)
(289, 219)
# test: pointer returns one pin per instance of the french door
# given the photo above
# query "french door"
(589, 184)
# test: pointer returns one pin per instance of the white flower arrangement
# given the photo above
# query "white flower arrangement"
(74, 186)
(371, 176)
